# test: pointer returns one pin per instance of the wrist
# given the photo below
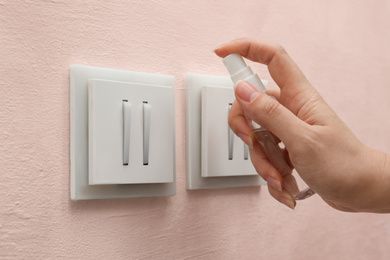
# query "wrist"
(375, 178)
(366, 183)
(381, 179)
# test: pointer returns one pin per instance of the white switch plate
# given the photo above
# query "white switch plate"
(80, 188)
(106, 133)
(215, 159)
(195, 84)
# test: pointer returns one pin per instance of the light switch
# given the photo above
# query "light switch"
(122, 134)
(143, 133)
(223, 153)
(216, 158)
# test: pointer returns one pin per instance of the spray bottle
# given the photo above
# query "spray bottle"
(238, 70)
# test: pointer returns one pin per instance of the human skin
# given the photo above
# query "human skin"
(347, 174)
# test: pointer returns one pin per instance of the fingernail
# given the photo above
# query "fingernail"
(246, 91)
(246, 139)
(274, 183)
(219, 46)
(288, 202)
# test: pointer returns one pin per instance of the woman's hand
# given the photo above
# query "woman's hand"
(348, 175)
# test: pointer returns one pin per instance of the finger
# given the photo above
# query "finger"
(239, 124)
(282, 188)
(274, 92)
(290, 184)
(269, 113)
(282, 196)
(282, 68)
(296, 89)
(264, 167)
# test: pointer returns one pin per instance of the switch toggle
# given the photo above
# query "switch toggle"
(126, 131)
(231, 141)
(246, 152)
(146, 133)
(230, 136)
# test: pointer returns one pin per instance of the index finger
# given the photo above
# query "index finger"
(280, 65)
(295, 88)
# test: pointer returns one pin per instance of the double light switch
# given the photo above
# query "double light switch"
(122, 134)
(216, 158)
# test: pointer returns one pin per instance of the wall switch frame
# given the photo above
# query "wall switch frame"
(195, 83)
(79, 184)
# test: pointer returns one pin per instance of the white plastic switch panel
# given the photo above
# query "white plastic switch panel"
(122, 134)
(202, 170)
(151, 151)
(223, 153)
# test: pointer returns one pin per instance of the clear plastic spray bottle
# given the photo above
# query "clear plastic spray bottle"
(238, 70)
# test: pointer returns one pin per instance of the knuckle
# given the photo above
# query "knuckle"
(231, 119)
(235, 121)
(280, 49)
(272, 108)
(307, 146)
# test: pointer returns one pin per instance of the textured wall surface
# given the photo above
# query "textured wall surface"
(342, 46)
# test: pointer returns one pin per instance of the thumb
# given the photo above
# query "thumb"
(268, 112)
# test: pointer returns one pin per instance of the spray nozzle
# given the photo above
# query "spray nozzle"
(234, 63)
(238, 70)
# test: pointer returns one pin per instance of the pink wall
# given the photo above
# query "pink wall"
(342, 46)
